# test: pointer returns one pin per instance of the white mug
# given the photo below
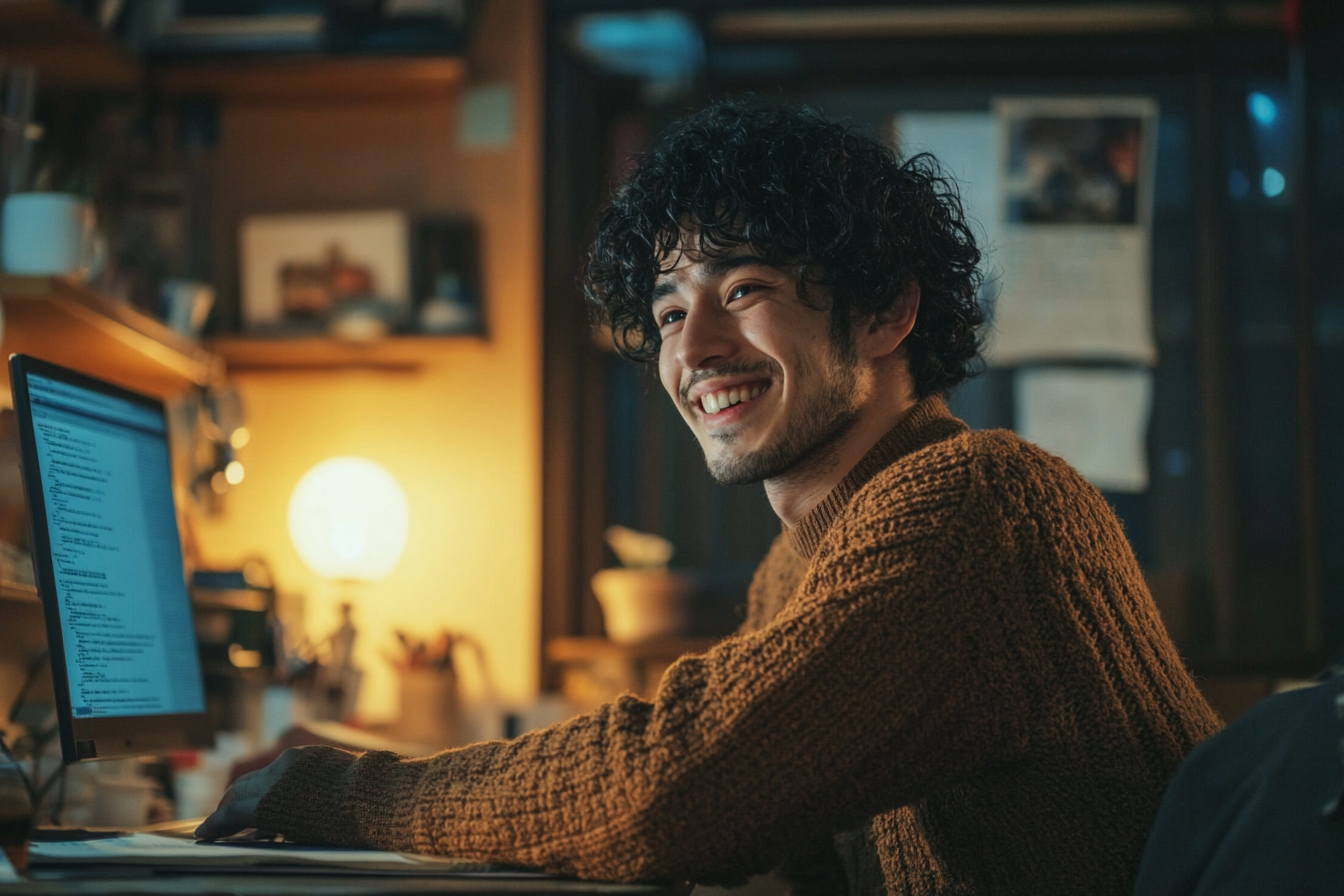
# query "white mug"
(49, 233)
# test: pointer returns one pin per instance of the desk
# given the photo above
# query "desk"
(161, 862)
(127, 881)
(595, 670)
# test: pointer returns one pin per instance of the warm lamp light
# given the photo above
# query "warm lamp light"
(348, 519)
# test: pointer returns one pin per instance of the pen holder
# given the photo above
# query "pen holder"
(431, 712)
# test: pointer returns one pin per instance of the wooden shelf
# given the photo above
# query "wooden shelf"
(68, 51)
(392, 353)
(71, 53)
(311, 78)
(58, 320)
(19, 593)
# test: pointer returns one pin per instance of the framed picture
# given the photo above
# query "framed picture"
(1078, 161)
(446, 277)
(304, 272)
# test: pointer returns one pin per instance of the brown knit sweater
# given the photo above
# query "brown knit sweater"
(959, 648)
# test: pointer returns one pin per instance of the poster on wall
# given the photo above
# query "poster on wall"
(1075, 198)
(1096, 419)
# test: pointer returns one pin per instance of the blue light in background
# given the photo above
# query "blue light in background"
(1238, 184)
(662, 44)
(1263, 109)
(1272, 182)
(1176, 463)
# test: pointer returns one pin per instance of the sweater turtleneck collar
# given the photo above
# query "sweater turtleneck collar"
(927, 423)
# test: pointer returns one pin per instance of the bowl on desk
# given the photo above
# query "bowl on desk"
(644, 604)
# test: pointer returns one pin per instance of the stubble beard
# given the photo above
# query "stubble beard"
(809, 440)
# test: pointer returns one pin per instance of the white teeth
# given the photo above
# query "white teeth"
(713, 402)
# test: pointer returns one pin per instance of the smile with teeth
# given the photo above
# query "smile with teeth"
(713, 402)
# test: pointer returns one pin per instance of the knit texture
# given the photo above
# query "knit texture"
(955, 646)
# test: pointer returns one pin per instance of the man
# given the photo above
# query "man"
(950, 648)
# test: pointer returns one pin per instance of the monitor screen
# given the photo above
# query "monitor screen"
(108, 563)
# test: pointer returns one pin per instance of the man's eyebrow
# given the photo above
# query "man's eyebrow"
(714, 268)
(725, 264)
(662, 290)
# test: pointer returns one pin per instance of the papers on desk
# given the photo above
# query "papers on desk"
(178, 854)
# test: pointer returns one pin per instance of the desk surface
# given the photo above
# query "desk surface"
(125, 881)
(164, 860)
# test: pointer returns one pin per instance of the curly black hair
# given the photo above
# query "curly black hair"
(799, 190)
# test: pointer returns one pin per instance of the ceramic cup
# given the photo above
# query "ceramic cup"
(44, 234)
(644, 604)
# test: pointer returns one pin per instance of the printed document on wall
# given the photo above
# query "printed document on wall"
(1094, 418)
(966, 147)
(1076, 182)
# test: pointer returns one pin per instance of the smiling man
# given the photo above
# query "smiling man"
(952, 678)
(772, 395)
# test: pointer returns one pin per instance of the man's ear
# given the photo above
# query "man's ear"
(883, 333)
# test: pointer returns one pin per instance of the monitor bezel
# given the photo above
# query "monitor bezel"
(87, 738)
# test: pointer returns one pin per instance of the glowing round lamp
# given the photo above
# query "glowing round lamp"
(348, 519)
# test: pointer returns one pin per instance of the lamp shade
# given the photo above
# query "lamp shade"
(348, 519)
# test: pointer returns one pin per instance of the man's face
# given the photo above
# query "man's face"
(753, 370)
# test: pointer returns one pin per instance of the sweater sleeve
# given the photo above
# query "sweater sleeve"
(868, 690)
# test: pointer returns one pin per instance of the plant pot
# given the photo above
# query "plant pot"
(644, 604)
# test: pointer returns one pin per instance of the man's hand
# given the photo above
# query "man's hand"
(238, 809)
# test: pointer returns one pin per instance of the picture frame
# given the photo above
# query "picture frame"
(446, 277)
(1078, 161)
(303, 273)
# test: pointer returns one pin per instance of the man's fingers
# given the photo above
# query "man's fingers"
(231, 815)
(238, 809)
(220, 823)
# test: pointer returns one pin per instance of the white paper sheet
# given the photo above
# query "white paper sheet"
(966, 146)
(1096, 419)
(156, 850)
(1073, 293)
(1076, 182)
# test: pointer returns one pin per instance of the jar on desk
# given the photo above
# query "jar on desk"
(431, 711)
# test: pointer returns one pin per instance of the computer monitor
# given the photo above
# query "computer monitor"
(108, 565)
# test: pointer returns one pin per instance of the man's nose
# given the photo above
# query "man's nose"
(706, 338)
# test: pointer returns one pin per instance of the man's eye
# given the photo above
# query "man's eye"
(740, 290)
(670, 317)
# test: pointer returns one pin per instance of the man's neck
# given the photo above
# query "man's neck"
(792, 496)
